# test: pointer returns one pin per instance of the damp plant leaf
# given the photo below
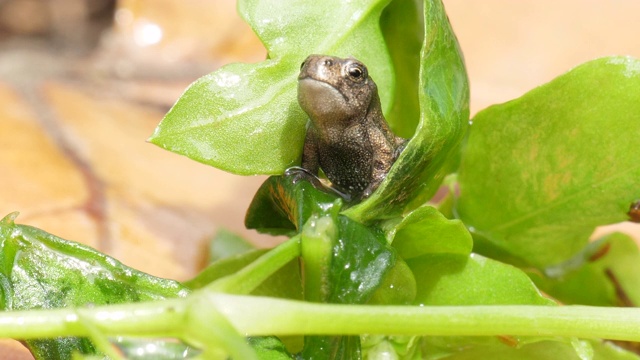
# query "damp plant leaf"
(245, 118)
(41, 271)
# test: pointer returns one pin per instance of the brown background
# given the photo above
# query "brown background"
(77, 103)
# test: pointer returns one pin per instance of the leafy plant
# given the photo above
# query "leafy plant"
(393, 276)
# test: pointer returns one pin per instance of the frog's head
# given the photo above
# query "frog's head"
(332, 89)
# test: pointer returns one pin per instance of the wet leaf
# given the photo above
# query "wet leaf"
(245, 118)
(282, 205)
(41, 271)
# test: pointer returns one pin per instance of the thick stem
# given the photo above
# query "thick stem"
(158, 318)
(285, 317)
(251, 315)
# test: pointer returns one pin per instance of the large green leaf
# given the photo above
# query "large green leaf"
(541, 172)
(245, 118)
(444, 115)
(41, 271)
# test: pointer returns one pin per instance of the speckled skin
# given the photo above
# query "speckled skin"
(348, 136)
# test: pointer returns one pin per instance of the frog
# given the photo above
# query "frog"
(347, 135)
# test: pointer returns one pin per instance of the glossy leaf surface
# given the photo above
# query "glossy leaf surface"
(41, 271)
(245, 118)
(282, 205)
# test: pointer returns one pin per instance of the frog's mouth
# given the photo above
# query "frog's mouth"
(320, 100)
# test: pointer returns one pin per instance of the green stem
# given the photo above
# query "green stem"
(287, 317)
(248, 316)
(150, 319)
(252, 275)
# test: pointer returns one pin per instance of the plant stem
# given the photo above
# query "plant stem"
(248, 316)
(287, 317)
(252, 275)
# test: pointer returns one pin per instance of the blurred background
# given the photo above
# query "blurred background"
(83, 83)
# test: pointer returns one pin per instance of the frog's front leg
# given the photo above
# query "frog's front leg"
(308, 170)
(310, 166)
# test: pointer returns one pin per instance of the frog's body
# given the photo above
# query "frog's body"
(348, 136)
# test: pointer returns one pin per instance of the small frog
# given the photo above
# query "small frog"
(348, 136)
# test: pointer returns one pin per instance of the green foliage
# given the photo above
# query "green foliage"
(539, 173)
(41, 271)
(443, 93)
(426, 231)
(255, 104)
(603, 274)
(458, 280)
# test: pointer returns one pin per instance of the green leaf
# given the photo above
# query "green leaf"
(604, 274)
(346, 262)
(331, 348)
(402, 24)
(361, 260)
(444, 115)
(453, 279)
(425, 230)
(539, 173)
(450, 279)
(225, 244)
(398, 287)
(269, 348)
(244, 118)
(282, 205)
(41, 271)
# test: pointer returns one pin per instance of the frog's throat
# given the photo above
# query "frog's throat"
(321, 101)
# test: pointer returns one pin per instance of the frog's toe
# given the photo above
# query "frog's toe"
(297, 174)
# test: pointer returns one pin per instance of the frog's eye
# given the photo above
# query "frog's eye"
(357, 71)
(327, 62)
